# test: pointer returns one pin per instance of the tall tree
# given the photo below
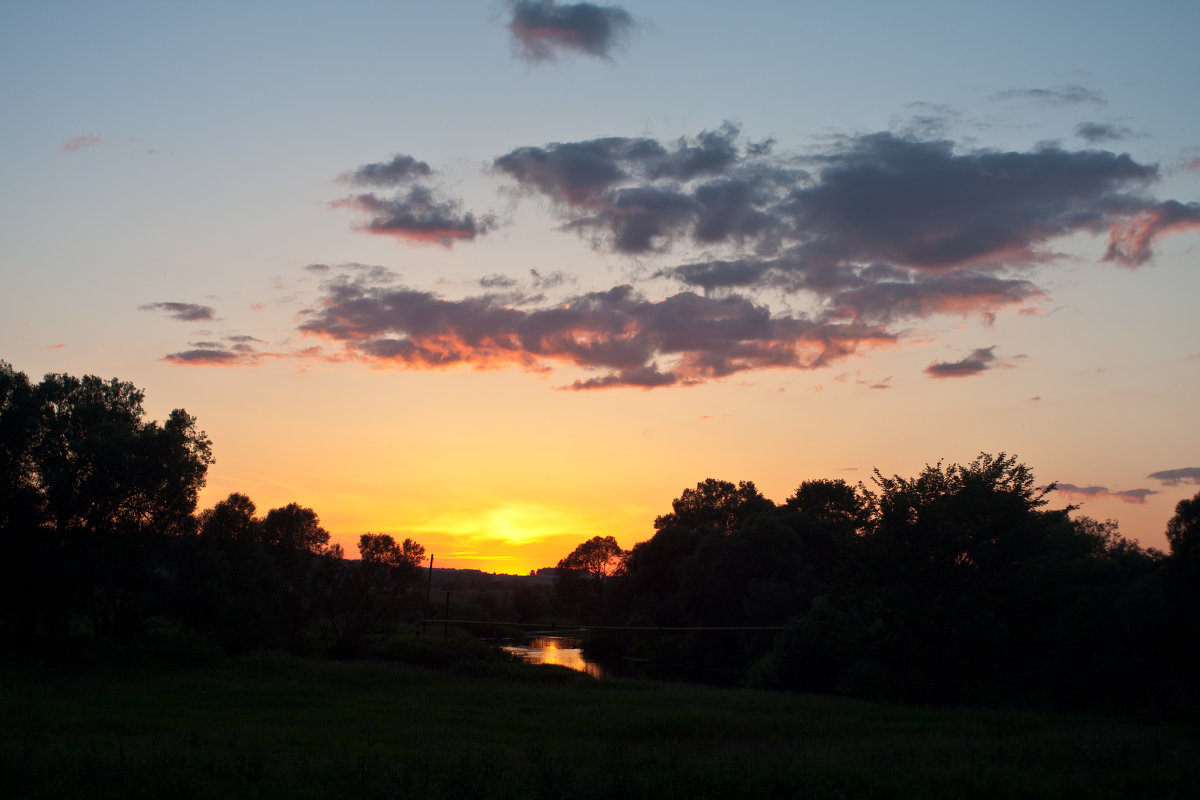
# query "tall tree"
(90, 480)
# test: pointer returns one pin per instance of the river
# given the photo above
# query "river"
(561, 650)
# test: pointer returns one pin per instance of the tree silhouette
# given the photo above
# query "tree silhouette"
(1183, 531)
(369, 597)
(597, 558)
(1183, 536)
(715, 504)
(88, 484)
(832, 500)
(579, 581)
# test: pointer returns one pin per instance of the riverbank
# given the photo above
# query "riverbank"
(284, 727)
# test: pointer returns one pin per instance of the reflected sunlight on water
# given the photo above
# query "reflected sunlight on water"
(559, 650)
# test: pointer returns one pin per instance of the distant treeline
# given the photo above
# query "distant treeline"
(956, 586)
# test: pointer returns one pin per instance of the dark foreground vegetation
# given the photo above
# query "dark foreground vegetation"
(282, 727)
(956, 587)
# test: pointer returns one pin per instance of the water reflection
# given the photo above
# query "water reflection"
(561, 650)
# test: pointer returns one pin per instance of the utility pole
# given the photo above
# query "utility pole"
(428, 589)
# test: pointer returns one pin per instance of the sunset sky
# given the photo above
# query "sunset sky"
(505, 276)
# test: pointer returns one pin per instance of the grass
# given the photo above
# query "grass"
(274, 726)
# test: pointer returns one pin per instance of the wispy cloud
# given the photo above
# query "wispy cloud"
(1134, 496)
(1064, 95)
(1096, 132)
(978, 361)
(544, 30)
(188, 312)
(1174, 477)
(81, 142)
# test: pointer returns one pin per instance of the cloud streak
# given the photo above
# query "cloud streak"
(544, 30)
(81, 142)
(232, 351)
(1065, 95)
(1133, 496)
(980, 360)
(1096, 132)
(188, 312)
(1175, 477)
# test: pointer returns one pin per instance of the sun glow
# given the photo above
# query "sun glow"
(514, 523)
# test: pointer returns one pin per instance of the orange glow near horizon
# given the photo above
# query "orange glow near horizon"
(503, 536)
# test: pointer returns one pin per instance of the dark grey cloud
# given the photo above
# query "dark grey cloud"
(637, 195)
(400, 170)
(878, 198)
(419, 215)
(188, 312)
(1174, 477)
(543, 30)
(1134, 496)
(629, 339)
(978, 361)
(497, 281)
(924, 206)
(1065, 95)
(1096, 132)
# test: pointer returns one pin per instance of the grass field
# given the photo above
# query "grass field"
(274, 726)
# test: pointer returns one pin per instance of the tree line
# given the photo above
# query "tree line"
(102, 543)
(956, 586)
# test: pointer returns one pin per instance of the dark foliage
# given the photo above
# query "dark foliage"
(956, 586)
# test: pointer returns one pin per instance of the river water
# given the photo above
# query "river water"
(561, 650)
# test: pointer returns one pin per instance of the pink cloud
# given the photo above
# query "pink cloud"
(80, 142)
(1131, 241)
